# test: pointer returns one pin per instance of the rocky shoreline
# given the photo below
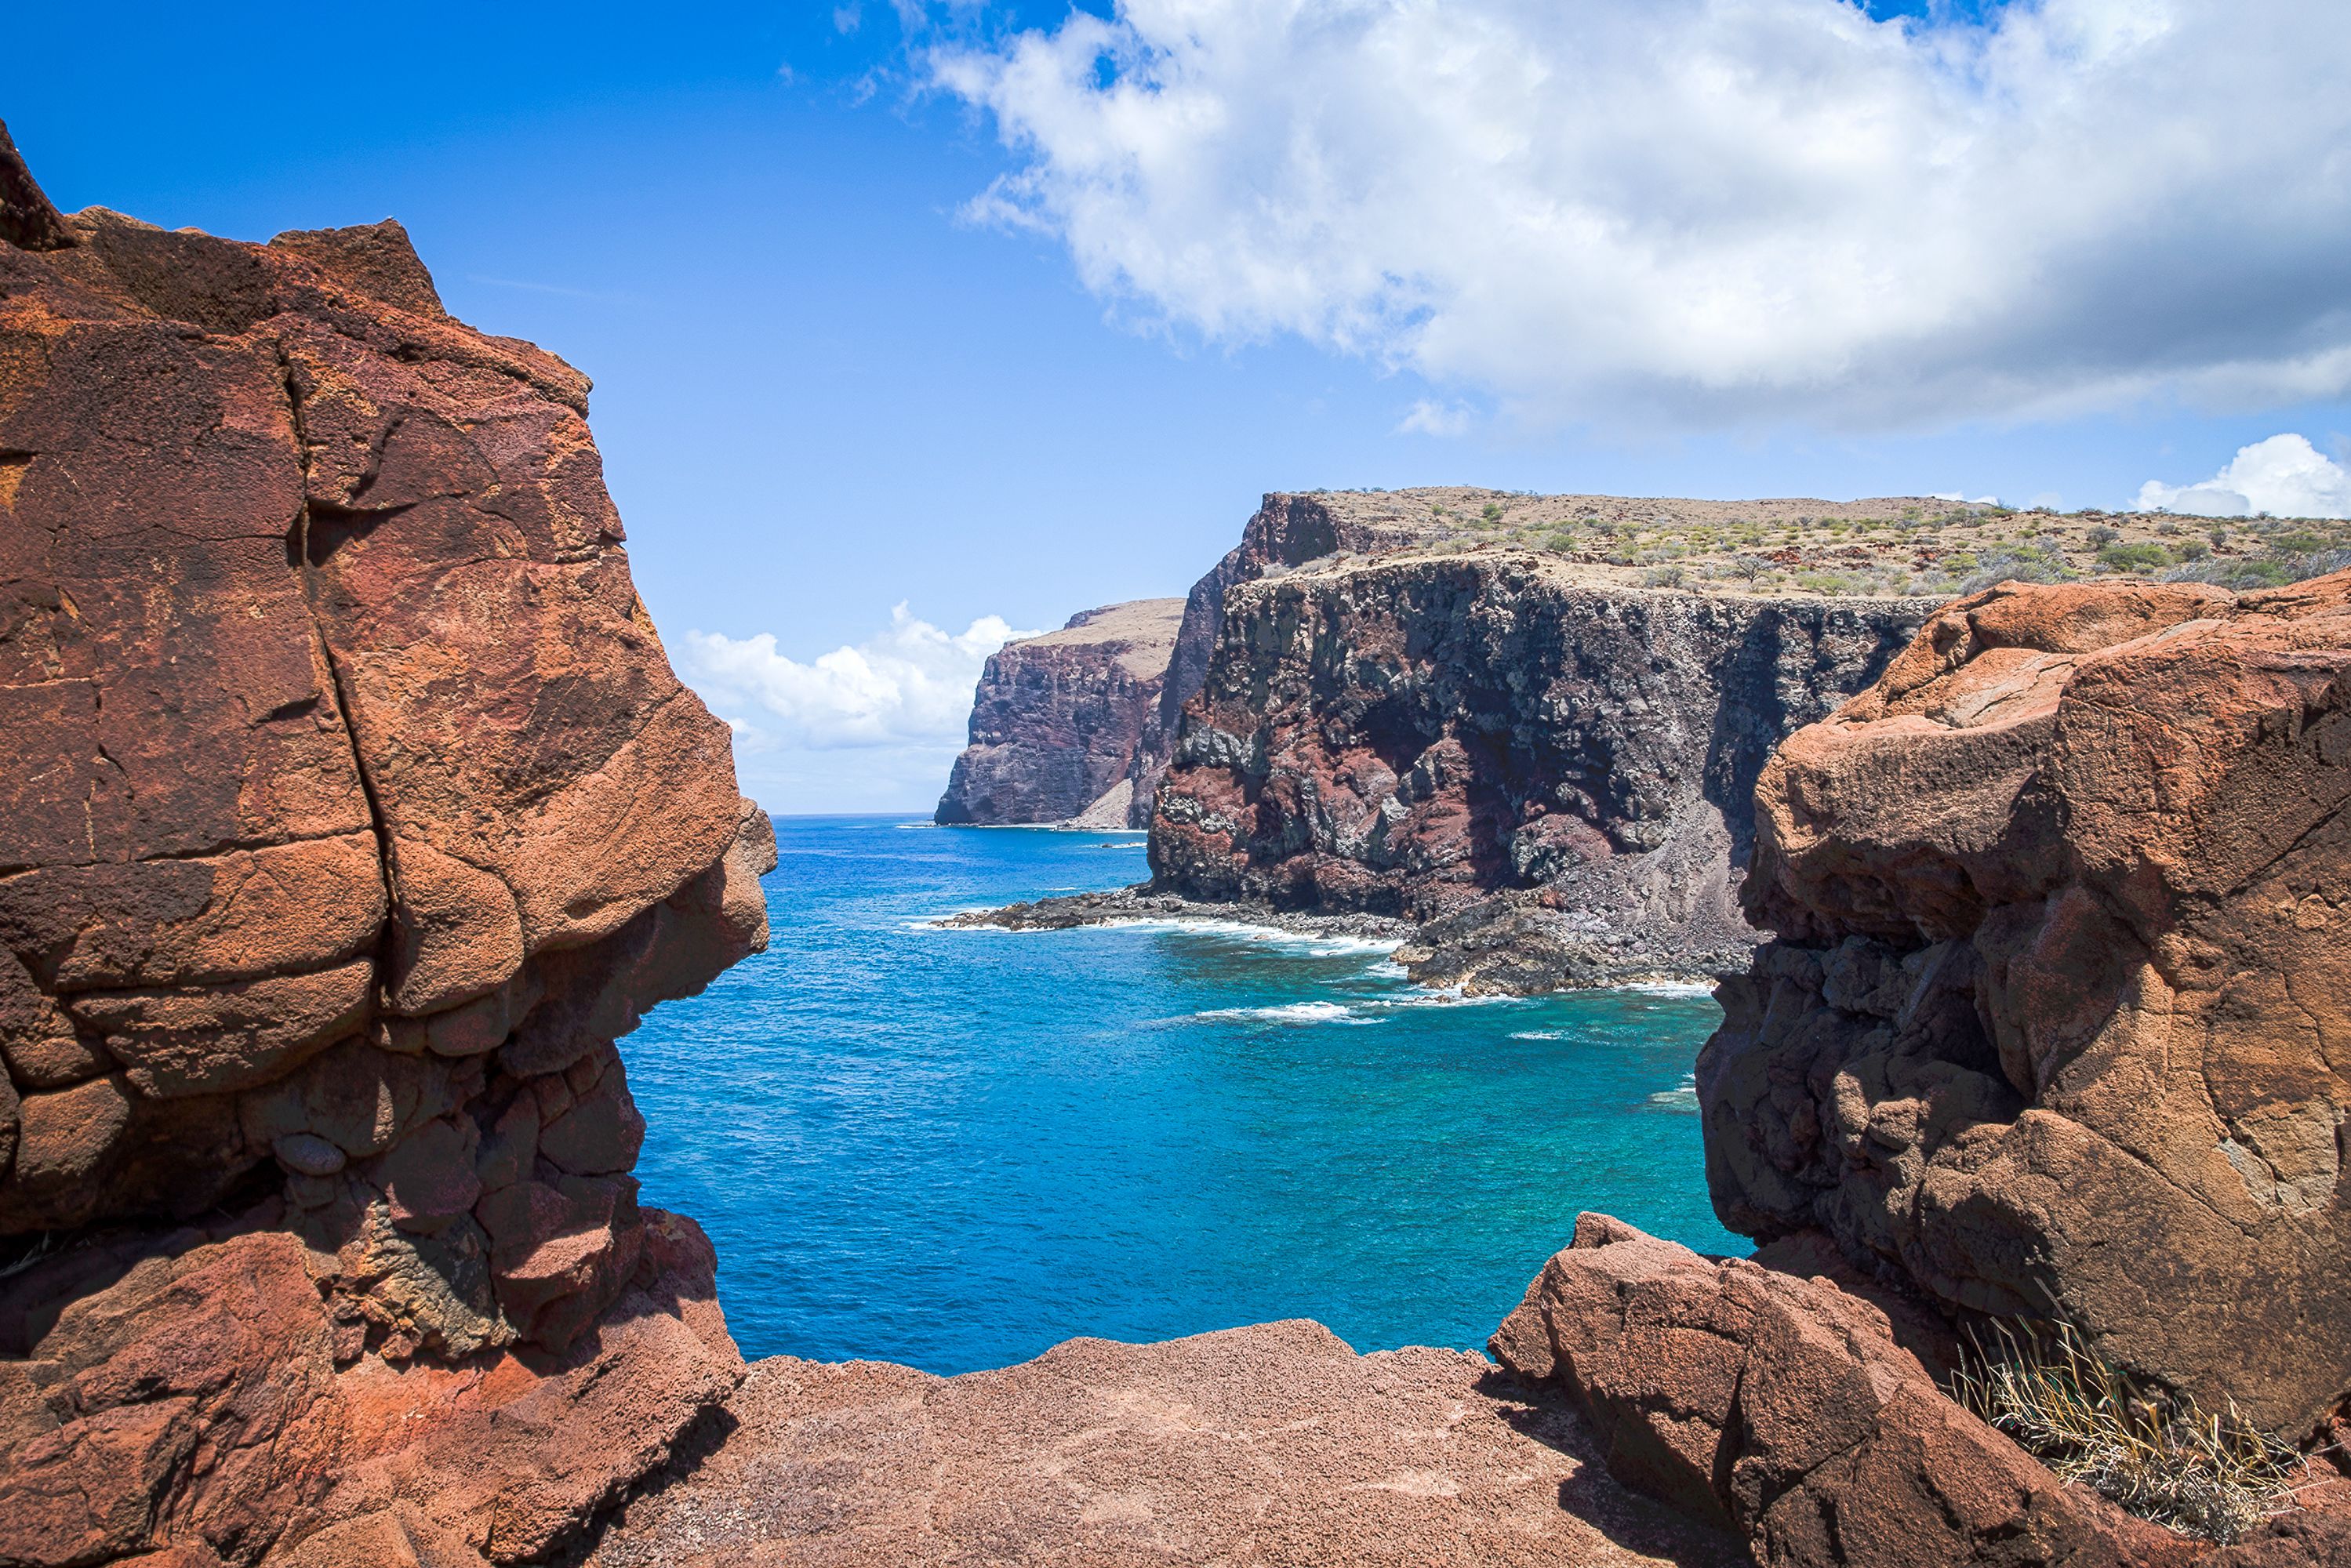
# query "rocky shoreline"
(1506, 947)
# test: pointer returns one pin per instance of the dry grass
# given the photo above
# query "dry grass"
(1907, 545)
(2159, 1456)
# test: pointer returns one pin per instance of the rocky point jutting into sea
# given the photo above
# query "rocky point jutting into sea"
(354, 811)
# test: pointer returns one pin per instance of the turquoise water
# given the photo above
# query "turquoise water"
(956, 1148)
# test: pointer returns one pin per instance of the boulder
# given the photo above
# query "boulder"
(1792, 1410)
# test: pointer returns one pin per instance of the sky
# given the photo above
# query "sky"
(915, 326)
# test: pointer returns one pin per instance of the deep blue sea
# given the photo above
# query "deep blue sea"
(956, 1148)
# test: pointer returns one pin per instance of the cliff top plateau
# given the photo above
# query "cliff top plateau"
(1139, 634)
(1901, 545)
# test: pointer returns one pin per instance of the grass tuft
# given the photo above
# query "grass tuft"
(2158, 1455)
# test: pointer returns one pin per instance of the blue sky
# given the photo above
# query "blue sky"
(835, 374)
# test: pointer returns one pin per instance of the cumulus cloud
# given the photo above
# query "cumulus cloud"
(2285, 476)
(909, 684)
(1709, 212)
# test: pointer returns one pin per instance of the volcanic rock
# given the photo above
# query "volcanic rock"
(2054, 1025)
(351, 811)
(1797, 1413)
(1066, 726)
(1274, 1445)
(1411, 734)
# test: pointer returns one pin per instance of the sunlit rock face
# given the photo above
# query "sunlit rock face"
(1065, 726)
(350, 811)
(2055, 1022)
(1558, 770)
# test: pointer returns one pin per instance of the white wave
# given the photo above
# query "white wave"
(1667, 987)
(1539, 1034)
(1314, 944)
(1682, 1096)
(1448, 996)
(1290, 1013)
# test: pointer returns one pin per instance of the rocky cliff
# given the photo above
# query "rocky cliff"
(349, 811)
(2054, 1024)
(1412, 733)
(1067, 725)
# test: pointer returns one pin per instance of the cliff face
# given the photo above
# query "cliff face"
(2054, 1025)
(1065, 725)
(349, 811)
(1411, 734)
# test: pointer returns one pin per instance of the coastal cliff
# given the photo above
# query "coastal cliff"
(350, 811)
(1409, 736)
(1067, 726)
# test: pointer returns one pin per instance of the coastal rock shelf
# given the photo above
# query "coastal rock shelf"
(349, 811)
(1273, 1445)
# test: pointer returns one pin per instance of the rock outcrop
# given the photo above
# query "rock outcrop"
(350, 811)
(1413, 733)
(2054, 1023)
(1066, 726)
(1776, 1403)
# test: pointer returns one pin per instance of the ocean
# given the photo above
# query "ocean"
(955, 1148)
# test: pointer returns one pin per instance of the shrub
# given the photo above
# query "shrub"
(2015, 563)
(1821, 582)
(2133, 558)
(1662, 576)
(1491, 514)
(1560, 539)
(2101, 537)
(2160, 1456)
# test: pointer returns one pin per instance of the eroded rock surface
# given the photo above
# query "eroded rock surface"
(1273, 1445)
(350, 811)
(1797, 1413)
(1066, 726)
(2055, 1025)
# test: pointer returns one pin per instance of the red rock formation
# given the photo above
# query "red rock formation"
(2055, 1022)
(1794, 1411)
(351, 812)
(1274, 1445)
(1063, 726)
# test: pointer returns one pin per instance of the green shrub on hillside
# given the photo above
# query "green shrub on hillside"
(2144, 557)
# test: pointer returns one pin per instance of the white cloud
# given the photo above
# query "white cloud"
(910, 684)
(1428, 417)
(1709, 212)
(2285, 476)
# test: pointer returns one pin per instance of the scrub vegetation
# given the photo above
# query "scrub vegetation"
(1905, 547)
